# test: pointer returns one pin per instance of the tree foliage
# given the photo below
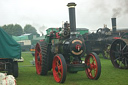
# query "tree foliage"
(16, 30)
(11, 29)
(30, 29)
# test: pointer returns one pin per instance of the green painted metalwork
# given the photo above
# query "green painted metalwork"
(77, 67)
(52, 29)
(82, 30)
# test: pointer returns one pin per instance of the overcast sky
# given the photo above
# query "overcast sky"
(91, 14)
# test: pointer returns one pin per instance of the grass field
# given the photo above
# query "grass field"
(109, 75)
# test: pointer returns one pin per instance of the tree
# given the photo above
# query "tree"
(8, 29)
(30, 29)
(17, 30)
(4, 27)
(11, 29)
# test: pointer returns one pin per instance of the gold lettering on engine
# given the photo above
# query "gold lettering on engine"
(77, 41)
(77, 53)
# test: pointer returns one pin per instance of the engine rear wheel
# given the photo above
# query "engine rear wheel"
(41, 59)
(59, 68)
(119, 53)
(93, 69)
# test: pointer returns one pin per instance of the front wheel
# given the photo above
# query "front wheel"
(59, 68)
(93, 69)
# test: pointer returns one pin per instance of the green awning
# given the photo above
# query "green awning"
(9, 48)
(19, 38)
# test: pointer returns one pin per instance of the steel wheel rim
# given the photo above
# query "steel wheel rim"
(57, 69)
(38, 59)
(119, 54)
(93, 68)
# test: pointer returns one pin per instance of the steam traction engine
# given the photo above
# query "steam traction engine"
(100, 42)
(62, 51)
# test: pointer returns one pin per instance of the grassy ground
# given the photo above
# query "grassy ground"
(109, 75)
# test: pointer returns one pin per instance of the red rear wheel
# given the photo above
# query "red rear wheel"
(41, 58)
(93, 66)
(59, 68)
(38, 59)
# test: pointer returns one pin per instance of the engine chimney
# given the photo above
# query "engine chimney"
(113, 25)
(72, 18)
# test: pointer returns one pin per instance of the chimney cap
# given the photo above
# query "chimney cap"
(71, 5)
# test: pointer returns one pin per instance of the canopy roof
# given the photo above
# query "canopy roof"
(9, 48)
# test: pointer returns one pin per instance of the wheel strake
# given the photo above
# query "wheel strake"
(59, 68)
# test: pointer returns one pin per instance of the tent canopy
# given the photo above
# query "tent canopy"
(9, 48)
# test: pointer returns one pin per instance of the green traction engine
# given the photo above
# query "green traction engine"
(63, 51)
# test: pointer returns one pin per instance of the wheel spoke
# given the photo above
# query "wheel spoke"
(90, 73)
(94, 66)
(60, 72)
(120, 46)
(117, 59)
(124, 47)
(93, 60)
(117, 48)
(57, 62)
